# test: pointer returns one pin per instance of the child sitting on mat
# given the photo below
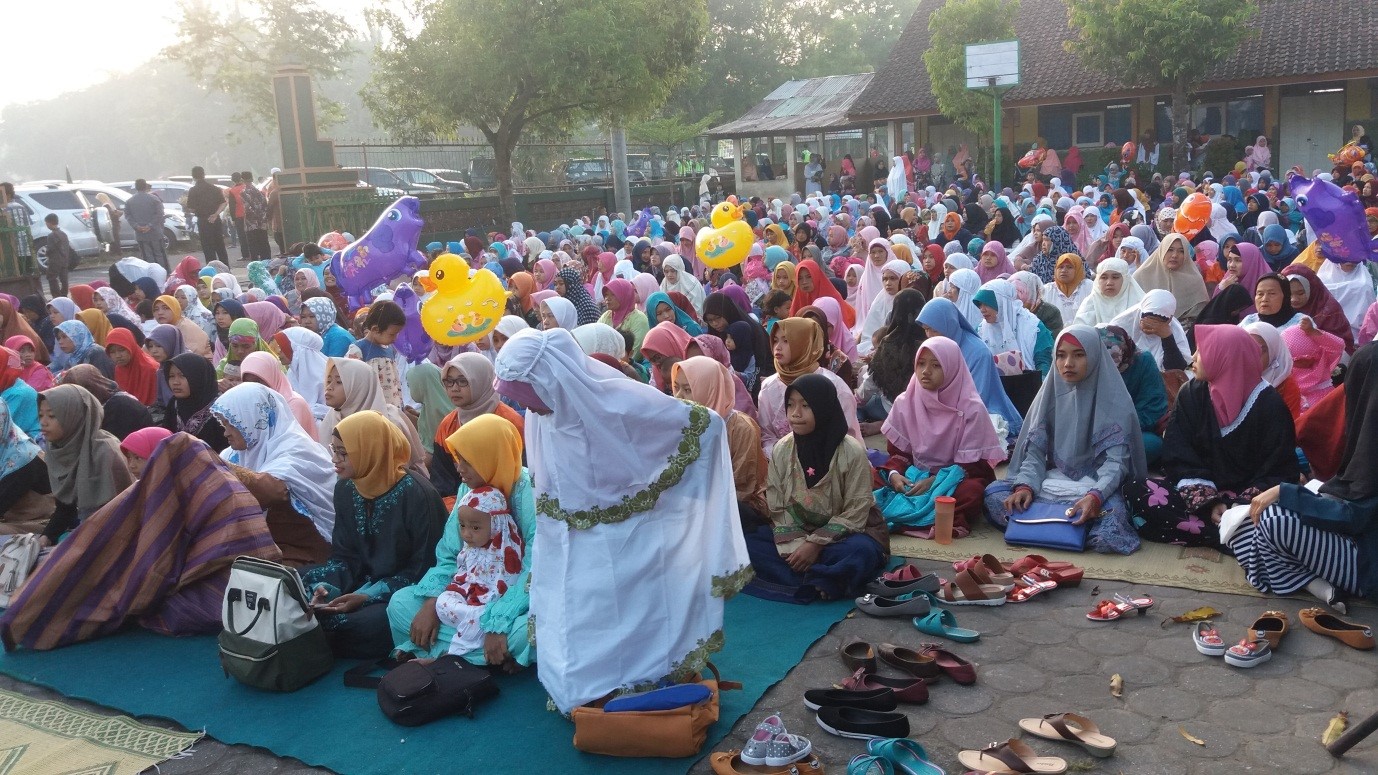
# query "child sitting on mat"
(489, 562)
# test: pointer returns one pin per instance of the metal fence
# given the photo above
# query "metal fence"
(534, 166)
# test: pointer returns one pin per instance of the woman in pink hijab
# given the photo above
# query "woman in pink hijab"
(268, 316)
(646, 284)
(939, 421)
(994, 263)
(544, 272)
(838, 334)
(1075, 224)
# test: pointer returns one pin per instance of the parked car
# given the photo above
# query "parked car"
(419, 177)
(481, 173)
(452, 176)
(73, 216)
(587, 173)
(174, 223)
(386, 180)
(172, 192)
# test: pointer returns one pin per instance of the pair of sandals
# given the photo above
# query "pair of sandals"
(1015, 756)
(1256, 648)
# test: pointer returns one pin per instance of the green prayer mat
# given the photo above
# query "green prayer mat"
(329, 725)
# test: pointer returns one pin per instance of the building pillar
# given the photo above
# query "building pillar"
(308, 161)
(790, 164)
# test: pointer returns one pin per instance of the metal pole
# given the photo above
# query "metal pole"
(621, 189)
(995, 182)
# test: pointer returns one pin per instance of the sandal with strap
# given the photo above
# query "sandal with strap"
(942, 623)
(1031, 562)
(1071, 728)
(988, 563)
(1028, 587)
(1121, 606)
(1009, 758)
(1207, 639)
(867, 764)
(1271, 626)
(968, 589)
(907, 755)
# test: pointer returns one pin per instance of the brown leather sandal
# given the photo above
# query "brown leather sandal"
(1071, 728)
(970, 589)
(1011, 757)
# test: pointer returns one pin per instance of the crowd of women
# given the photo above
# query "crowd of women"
(1140, 379)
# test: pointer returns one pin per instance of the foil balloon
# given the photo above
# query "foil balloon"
(386, 251)
(1348, 154)
(1337, 218)
(1193, 216)
(728, 241)
(413, 341)
(641, 224)
(1127, 152)
(332, 241)
(465, 304)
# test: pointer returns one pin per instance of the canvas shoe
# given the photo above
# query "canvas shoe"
(757, 749)
(785, 749)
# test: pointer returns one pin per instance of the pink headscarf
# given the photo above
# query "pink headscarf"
(143, 441)
(646, 285)
(268, 317)
(548, 271)
(1207, 254)
(840, 337)
(607, 262)
(716, 349)
(1254, 266)
(1003, 266)
(668, 340)
(1314, 357)
(625, 293)
(542, 295)
(1230, 360)
(871, 283)
(756, 264)
(1082, 239)
(948, 425)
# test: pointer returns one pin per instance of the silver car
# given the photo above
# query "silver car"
(73, 217)
(174, 224)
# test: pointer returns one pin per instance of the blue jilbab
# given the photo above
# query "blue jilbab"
(17, 448)
(65, 307)
(81, 353)
(682, 318)
(942, 316)
(336, 340)
(498, 271)
(1275, 233)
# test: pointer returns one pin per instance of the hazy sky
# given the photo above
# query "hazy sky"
(66, 45)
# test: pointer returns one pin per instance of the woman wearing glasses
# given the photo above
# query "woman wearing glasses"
(468, 381)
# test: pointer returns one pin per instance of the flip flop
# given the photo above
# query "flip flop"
(1071, 728)
(942, 623)
(1011, 757)
(908, 756)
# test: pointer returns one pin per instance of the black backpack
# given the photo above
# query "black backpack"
(415, 693)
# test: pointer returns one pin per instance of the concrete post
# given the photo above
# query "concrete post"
(621, 187)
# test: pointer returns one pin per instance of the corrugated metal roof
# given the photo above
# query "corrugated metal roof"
(797, 106)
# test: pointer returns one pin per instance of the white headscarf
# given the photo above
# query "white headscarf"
(566, 316)
(278, 446)
(686, 284)
(601, 338)
(897, 183)
(935, 221)
(231, 283)
(1352, 290)
(1098, 309)
(1220, 226)
(307, 370)
(1279, 357)
(1137, 245)
(1156, 302)
(967, 283)
(1015, 328)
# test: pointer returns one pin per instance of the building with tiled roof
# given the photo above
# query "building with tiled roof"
(1303, 80)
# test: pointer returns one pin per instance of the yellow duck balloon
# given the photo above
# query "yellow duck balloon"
(727, 242)
(461, 309)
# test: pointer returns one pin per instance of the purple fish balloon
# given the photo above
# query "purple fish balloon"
(385, 252)
(413, 342)
(641, 224)
(1337, 217)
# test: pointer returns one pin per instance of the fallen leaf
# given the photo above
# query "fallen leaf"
(1190, 737)
(1335, 728)
(1116, 686)
(1196, 615)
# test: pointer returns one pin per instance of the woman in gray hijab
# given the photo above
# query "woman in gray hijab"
(1080, 443)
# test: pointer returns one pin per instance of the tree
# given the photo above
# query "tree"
(239, 52)
(951, 28)
(753, 46)
(513, 67)
(1159, 43)
(666, 133)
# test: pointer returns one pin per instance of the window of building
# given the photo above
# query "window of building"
(1088, 129)
(1119, 124)
(907, 135)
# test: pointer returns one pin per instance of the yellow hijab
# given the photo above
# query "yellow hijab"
(775, 235)
(805, 339)
(493, 447)
(377, 450)
(788, 285)
(97, 323)
(173, 304)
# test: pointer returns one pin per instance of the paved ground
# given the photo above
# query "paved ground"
(1044, 656)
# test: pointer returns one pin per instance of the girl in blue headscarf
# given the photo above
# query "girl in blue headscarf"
(75, 345)
(655, 310)
(941, 318)
(498, 271)
(1278, 249)
(774, 256)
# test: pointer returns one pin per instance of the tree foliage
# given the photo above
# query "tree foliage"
(753, 46)
(237, 53)
(668, 132)
(513, 67)
(951, 28)
(1160, 43)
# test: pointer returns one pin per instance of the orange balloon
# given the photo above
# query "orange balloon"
(1193, 215)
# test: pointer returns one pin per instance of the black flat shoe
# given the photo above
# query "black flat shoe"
(863, 724)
